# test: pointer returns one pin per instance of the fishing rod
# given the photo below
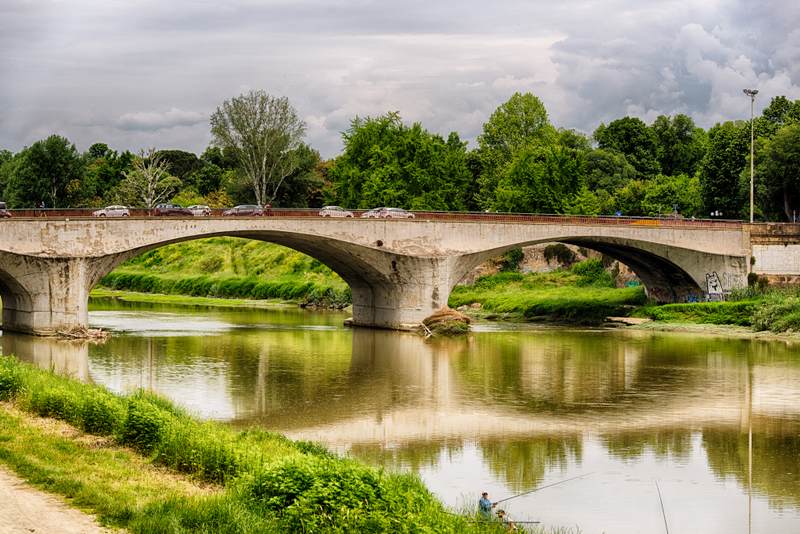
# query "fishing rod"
(541, 488)
(663, 513)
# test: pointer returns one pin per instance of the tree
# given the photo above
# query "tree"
(680, 145)
(303, 182)
(780, 112)
(631, 137)
(48, 171)
(607, 170)
(666, 194)
(386, 163)
(519, 123)
(148, 183)
(103, 170)
(180, 163)
(720, 169)
(779, 170)
(541, 180)
(263, 132)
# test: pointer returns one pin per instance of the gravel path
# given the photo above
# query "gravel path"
(24, 509)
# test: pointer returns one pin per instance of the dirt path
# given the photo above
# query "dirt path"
(24, 509)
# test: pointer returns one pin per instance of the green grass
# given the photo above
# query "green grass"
(739, 313)
(235, 268)
(101, 293)
(264, 482)
(583, 294)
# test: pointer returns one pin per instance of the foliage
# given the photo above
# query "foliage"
(561, 253)
(779, 171)
(632, 138)
(728, 145)
(512, 259)
(386, 163)
(607, 169)
(148, 183)
(680, 145)
(540, 180)
(264, 132)
(48, 172)
(667, 194)
(591, 272)
(778, 314)
(519, 123)
(738, 313)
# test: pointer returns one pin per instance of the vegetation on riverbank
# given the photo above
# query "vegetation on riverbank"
(584, 293)
(256, 481)
(233, 268)
(100, 294)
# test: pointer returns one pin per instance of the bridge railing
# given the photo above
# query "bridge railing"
(531, 218)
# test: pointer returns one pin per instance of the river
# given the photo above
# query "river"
(506, 410)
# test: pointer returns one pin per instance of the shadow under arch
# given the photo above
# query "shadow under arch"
(13, 297)
(664, 280)
(357, 265)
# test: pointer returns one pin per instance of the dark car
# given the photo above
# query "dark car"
(4, 210)
(245, 210)
(172, 209)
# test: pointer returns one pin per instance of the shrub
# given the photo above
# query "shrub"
(512, 259)
(592, 273)
(145, 424)
(102, 413)
(561, 253)
(11, 382)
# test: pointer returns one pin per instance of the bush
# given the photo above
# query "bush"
(512, 259)
(11, 382)
(561, 253)
(592, 273)
(145, 424)
(102, 413)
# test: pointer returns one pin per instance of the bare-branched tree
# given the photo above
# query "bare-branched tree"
(149, 182)
(264, 132)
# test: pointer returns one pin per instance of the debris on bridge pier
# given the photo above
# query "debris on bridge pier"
(93, 335)
(445, 322)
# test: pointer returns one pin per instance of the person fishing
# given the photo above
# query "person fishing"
(485, 506)
(506, 520)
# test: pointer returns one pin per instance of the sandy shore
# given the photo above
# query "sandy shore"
(24, 509)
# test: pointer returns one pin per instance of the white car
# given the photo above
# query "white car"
(374, 213)
(200, 210)
(334, 211)
(394, 213)
(112, 211)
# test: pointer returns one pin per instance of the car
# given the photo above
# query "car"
(4, 211)
(171, 209)
(372, 214)
(112, 211)
(395, 213)
(244, 210)
(334, 211)
(200, 210)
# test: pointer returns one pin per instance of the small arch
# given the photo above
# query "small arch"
(17, 302)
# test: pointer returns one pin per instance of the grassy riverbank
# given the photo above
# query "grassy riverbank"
(141, 463)
(233, 268)
(584, 293)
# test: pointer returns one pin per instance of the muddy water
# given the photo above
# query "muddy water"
(506, 410)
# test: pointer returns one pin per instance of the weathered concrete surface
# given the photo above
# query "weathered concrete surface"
(399, 271)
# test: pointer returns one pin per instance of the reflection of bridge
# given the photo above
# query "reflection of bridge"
(399, 271)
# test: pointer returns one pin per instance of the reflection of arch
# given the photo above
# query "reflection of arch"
(656, 265)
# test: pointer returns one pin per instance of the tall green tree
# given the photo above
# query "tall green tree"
(103, 170)
(680, 145)
(541, 179)
(264, 132)
(517, 124)
(631, 137)
(148, 183)
(721, 167)
(607, 170)
(48, 171)
(779, 172)
(386, 163)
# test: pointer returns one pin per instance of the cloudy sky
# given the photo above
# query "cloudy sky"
(146, 73)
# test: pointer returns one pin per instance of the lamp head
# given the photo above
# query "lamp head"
(751, 92)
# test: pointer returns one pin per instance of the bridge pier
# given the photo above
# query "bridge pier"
(43, 296)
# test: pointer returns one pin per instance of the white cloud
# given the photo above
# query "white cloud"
(150, 121)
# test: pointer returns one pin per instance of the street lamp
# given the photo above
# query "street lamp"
(752, 94)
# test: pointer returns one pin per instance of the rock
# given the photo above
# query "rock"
(446, 322)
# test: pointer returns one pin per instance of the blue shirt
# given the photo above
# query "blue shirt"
(485, 506)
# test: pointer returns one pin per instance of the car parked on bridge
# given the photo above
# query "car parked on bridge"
(334, 211)
(244, 210)
(4, 211)
(200, 210)
(112, 211)
(165, 210)
(372, 214)
(395, 213)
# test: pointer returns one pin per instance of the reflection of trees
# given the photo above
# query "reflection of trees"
(411, 456)
(522, 463)
(670, 443)
(776, 458)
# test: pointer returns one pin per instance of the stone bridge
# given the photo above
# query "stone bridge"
(399, 271)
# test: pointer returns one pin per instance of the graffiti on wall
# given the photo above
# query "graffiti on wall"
(717, 287)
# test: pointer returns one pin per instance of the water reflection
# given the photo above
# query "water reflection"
(501, 410)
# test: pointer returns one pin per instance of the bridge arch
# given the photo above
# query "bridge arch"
(16, 299)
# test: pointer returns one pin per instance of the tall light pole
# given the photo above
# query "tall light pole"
(752, 94)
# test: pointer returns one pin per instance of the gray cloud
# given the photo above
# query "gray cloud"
(149, 73)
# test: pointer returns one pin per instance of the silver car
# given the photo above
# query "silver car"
(372, 214)
(334, 211)
(200, 210)
(112, 211)
(394, 213)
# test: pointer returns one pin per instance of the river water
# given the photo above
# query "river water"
(506, 410)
